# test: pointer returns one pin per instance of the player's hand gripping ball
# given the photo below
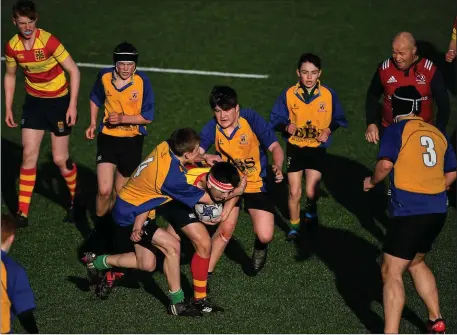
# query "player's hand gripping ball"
(208, 212)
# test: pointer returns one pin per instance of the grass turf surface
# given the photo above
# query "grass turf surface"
(330, 284)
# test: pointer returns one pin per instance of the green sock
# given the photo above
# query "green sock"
(176, 297)
(295, 224)
(100, 262)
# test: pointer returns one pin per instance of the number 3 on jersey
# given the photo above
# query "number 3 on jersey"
(430, 156)
(142, 166)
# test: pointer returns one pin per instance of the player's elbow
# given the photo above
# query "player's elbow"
(450, 178)
(10, 79)
(73, 70)
(386, 164)
(275, 147)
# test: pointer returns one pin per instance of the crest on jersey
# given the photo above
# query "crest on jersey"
(60, 126)
(321, 107)
(134, 96)
(243, 139)
(420, 79)
(39, 55)
(220, 141)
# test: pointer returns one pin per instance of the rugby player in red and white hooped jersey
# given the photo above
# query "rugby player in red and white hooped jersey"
(404, 68)
(49, 105)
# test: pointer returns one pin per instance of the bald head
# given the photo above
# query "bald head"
(405, 38)
(404, 50)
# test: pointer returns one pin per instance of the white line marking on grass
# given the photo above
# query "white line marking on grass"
(180, 71)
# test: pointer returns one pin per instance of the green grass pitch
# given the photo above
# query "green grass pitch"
(331, 283)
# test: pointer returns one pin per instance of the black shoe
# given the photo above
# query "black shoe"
(70, 216)
(205, 305)
(93, 274)
(259, 258)
(310, 223)
(293, 235)
(107, 283)
(436, 327)
(184, 308)
(21, 220)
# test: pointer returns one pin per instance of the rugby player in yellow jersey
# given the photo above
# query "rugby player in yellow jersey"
(128, 100)
(48, 103)
(159, 179)
(16, 296)
(307, 114)
(450, 55)
(221, 182)
(242, 137)
(421, 166)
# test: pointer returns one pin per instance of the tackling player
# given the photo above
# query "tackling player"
(450, 55)
(48, 103)
(128, 101)
(160, 178)
(307, 114)
(421, 165)
(221, 182)
(241, 136)
(405, 68)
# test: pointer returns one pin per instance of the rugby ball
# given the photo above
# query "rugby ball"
(208, 212)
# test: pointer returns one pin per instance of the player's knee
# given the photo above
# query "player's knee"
(29, 157)
(265, 237)
(105, 192)
(203, 247)
(295, 193)
(148, 266)
(225, 234)
(172, 248)
(312, 190)
(389, 272)
(417, 265)
(60, 160)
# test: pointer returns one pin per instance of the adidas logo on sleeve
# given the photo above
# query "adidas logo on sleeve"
(391, 80)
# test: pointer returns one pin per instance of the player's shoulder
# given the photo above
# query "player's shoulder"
(105, 71)
(46, 37)
(163, 148)
(248, 113)
(409, 126)
(41, 33)
(387, 64)
(426, 64)
(12, 267)
(395, 129)
(210, 125)
(141, 75)
(291, 89)
(13, 42)
(327, 89)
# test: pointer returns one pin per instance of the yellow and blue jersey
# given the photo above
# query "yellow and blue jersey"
(16, 294)
(245, 147)
(159, 179)
(310, 112)
(137, 97)
(421, 156)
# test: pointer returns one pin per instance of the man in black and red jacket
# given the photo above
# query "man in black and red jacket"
(405, 68)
